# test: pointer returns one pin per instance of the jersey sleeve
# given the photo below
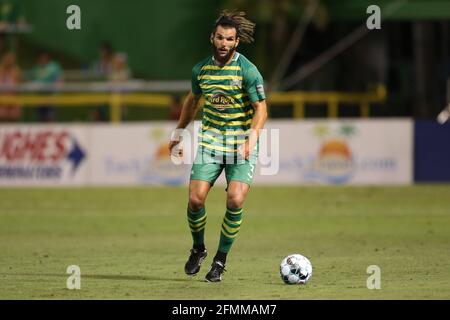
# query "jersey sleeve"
(254, 85)
(195, 85)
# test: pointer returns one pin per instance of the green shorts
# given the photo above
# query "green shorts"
(207, 169)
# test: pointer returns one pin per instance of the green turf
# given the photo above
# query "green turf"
(132, 243)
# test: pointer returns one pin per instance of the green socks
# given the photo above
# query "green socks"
(197, 222)
(230, 227)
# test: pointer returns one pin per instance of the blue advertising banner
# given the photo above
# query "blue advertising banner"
(432, 151)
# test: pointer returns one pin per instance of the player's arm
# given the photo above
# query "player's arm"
(188, 112)
(258, 122)
(254, 87)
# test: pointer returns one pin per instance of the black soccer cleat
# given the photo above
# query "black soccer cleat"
(192, 266)
(215, 272)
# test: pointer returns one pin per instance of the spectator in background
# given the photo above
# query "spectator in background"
(103, 68)
(175, 108)
(10, 77)
(120, 73)
(120, 70)
(46, 71)
(111, 65)
(114, 67)
(104, 65)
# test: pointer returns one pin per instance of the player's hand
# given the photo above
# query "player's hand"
(245, 150)
(178, 151)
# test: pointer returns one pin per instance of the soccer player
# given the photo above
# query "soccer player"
(234, 112)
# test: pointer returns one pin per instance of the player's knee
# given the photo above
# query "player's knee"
(235, 201)
(196, 202)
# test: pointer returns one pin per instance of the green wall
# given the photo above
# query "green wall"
(163, 39)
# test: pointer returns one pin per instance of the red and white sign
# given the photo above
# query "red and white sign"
(42, 155)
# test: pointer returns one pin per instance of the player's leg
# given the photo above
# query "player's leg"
(196, 212)
(203, 176)
(236, 193)
(239, 177)
(196, 215)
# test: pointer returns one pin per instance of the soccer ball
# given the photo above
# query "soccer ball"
(295, 269)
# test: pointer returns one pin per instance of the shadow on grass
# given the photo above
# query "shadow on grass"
(107, 277)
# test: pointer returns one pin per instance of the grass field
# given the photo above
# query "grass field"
(132, 243)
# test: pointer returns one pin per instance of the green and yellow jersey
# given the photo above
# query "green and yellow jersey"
(228, 112)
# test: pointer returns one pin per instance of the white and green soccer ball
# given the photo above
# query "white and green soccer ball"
(295, 269)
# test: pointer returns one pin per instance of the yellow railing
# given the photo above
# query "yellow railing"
(332, 99)
(298, 99)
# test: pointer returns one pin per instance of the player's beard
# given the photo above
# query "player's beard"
(224, 59)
